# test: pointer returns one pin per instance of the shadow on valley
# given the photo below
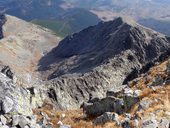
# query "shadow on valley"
(83, 51)
(69, 63)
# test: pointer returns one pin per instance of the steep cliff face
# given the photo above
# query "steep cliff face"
(2, 22)
(97, 58)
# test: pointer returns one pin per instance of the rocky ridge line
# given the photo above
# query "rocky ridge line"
(83, 65)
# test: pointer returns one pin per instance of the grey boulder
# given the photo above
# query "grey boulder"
(3, 120)
(150, 123)
(106, 117)
(65, 126)
(7, 104)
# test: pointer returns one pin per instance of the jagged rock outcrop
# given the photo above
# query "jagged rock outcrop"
(2, 22)
(98, 58)
(7, 71)
(143, 103)
(119, 104)
(17, 104)
(141, 108)
(106, 117)
(15, 99)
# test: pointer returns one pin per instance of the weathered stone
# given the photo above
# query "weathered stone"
(164, 123)
(116, 91)
(150, 123)
(60, 123)
(4, 126)
(3, 119)
(136, 123)
(18, 99)
(33, 119)
(7, 104)
(125, 124)
(128, 115)
(44, 121)
(106, 117)
(47, 126)
(35, 126)
(144, 104)
(27, 126)
(137, 93)
(23, 122)
(130, 98)
(128, 92)
(98, 108)
(119, 106)
(112, 104)
(93, 99)
(15, 120)
(7, 71)
(65, 126)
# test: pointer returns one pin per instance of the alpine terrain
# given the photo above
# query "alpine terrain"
(115, 74)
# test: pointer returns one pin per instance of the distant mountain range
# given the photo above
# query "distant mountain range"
(57, 15)
(70, 22)
(150, 13)
(69, 16)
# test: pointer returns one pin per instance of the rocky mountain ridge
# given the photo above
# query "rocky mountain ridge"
(83, 65)
(136, 101)
(142, 103)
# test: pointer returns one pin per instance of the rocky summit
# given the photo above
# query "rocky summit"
(100, 57)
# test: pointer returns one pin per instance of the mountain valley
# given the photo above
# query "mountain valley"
(66, 17)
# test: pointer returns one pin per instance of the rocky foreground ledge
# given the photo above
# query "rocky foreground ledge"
(143, 103)
(17, 103)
